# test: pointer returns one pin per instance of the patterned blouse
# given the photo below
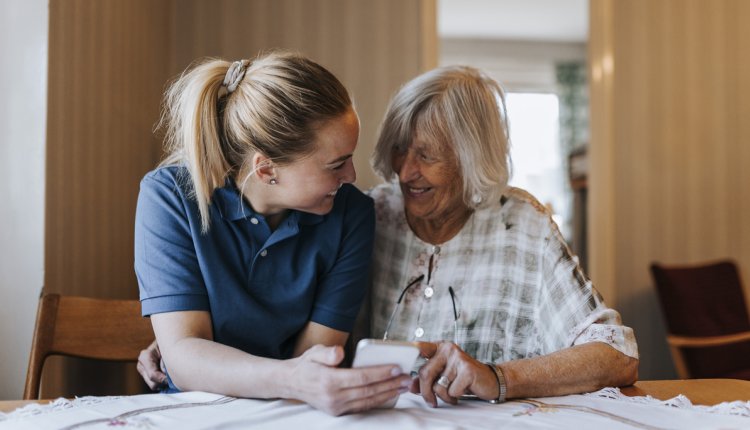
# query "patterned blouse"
(517, 290)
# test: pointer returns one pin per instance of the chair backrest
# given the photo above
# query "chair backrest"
(702, 301)
(86, 328)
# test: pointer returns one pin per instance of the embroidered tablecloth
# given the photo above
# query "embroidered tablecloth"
(606, 409)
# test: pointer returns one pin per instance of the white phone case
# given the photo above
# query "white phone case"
(374, 352)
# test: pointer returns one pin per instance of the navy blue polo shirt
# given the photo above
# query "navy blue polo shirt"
(260, 287)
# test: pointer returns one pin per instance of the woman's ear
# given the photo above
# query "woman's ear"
(264, 169)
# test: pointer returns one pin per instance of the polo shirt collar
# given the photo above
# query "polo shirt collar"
(233, 207)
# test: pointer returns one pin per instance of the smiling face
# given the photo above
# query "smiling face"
(310, 184)
(430, 180)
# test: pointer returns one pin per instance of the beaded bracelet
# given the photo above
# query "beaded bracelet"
(501, 387)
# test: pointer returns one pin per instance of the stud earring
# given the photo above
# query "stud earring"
(273, 181)
(476, 199)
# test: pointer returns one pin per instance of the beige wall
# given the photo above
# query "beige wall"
(670, 95)
(108, 62)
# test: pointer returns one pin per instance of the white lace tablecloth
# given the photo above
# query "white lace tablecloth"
(605, 409)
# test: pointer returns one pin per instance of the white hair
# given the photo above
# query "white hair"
(460, 108)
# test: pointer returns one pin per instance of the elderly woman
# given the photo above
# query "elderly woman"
(477, 269)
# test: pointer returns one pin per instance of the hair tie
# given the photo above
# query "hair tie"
(234, 75)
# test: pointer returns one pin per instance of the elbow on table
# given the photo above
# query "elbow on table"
(628, 374)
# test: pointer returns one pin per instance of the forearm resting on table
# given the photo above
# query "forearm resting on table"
(579, 369)
(203, 365)
(196, 363)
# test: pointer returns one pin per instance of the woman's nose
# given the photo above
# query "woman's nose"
(349, 174)
(409, 168)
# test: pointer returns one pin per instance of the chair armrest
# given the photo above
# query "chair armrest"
(706, 341)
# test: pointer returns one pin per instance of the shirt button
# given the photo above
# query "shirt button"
(263, 253)
(254, 220)
(419, 332)
(428, 292)
(435, 250)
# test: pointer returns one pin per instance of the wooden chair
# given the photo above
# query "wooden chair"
(86, 328)
(707, 319)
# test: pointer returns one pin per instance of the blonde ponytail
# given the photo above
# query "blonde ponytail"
(190, 116)
(273, 109)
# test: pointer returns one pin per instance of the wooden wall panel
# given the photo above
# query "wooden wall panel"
(372, 46)
(669, 149)
(108, 62)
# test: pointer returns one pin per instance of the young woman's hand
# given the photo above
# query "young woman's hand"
(318, 382)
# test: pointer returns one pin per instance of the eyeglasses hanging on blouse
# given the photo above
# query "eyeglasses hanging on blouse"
(398, 303)
(455, 315)
(415, 281)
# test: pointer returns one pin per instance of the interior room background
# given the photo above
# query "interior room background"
(668, 83)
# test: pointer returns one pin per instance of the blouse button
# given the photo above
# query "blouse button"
(428, 292)
(263, 253)
(254, 220)
(419, 332)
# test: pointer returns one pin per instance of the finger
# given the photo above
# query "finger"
(153, 385)
(428, 394)
(414, 388)
(460, 385)
(364, 376)
(428, 375)
(376, 399)
(327, 355)
(427, 349)
(442, 392)
(153, 371)
(399, 383)
(147, 361)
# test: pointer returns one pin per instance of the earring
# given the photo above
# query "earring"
(273, 181)
(476, 199)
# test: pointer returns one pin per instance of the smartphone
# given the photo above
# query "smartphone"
(374, 352)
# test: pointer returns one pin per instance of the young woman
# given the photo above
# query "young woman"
(252, 249)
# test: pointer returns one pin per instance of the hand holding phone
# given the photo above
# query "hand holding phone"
(375, 352)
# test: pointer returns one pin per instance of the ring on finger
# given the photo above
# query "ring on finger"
(443, 381)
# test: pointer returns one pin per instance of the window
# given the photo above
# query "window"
(538, 166)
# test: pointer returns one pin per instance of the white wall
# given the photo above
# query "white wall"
(519, 66)
(23, 88)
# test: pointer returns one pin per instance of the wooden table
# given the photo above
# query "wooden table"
(11, 405)
(699, 391)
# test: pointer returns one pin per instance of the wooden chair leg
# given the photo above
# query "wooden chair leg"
(678, 357)
(41, 343)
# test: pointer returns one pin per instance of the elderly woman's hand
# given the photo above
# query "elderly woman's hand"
(450, 372)
(150, 367)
